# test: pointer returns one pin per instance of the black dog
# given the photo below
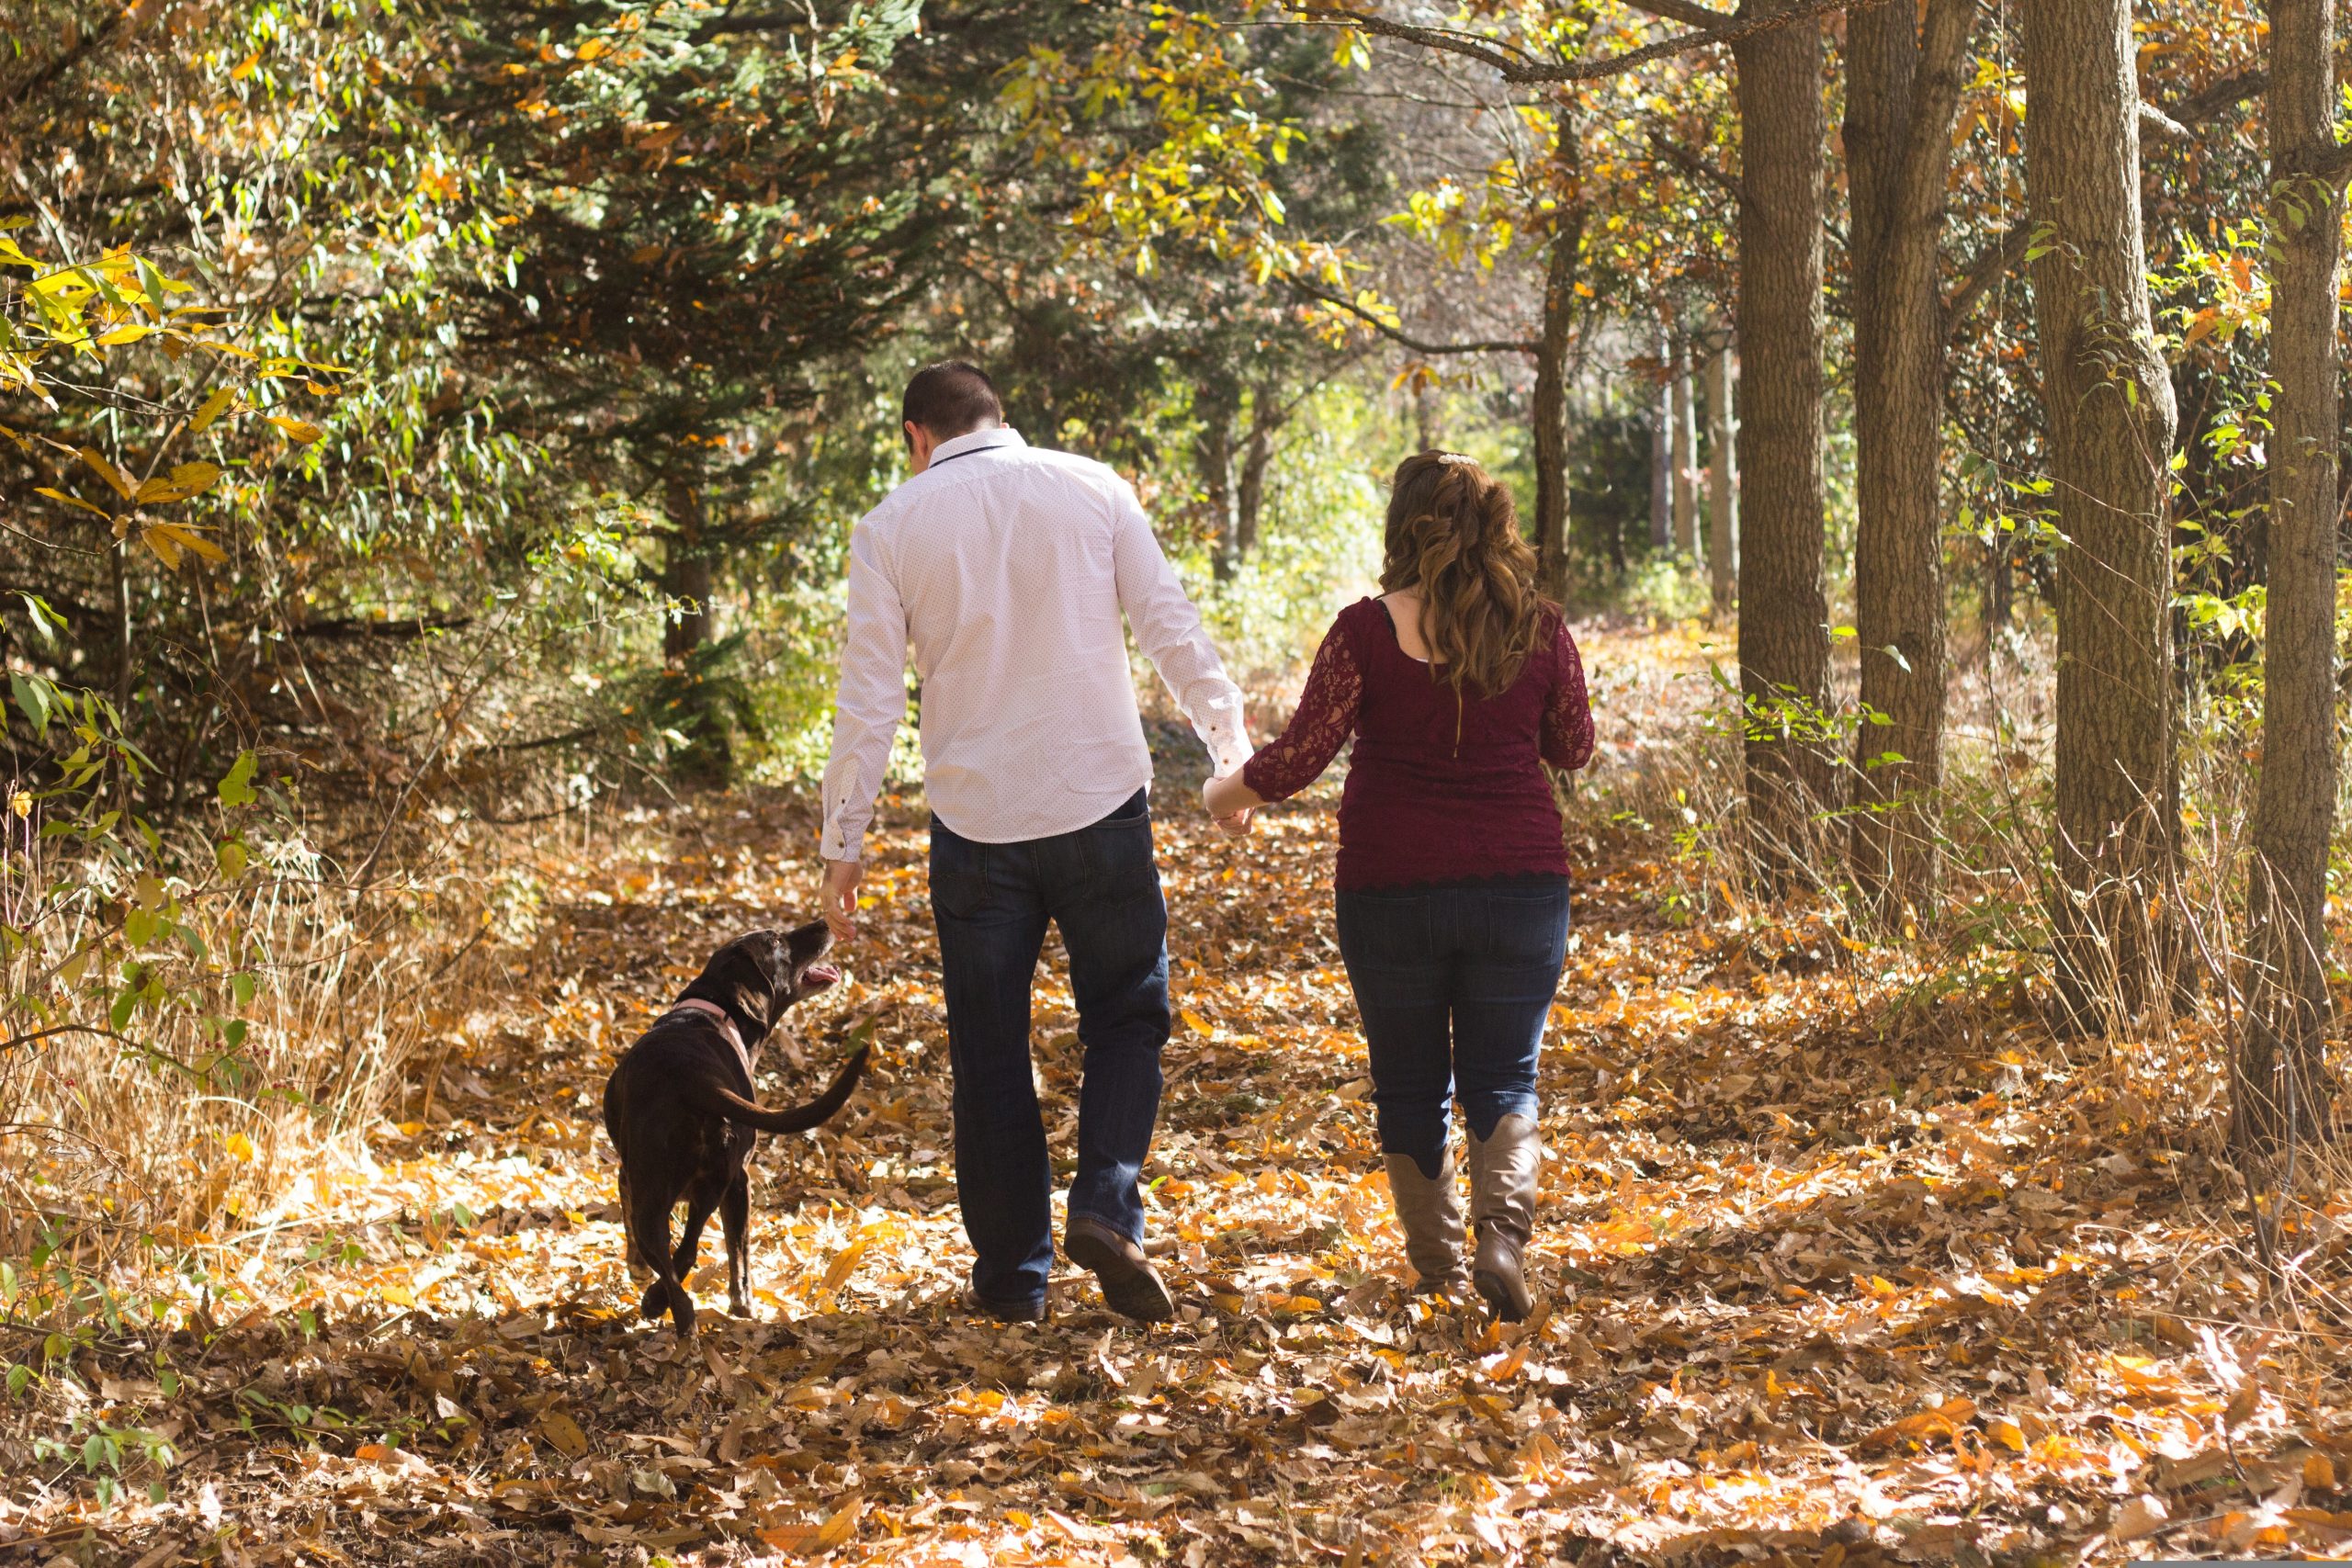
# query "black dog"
(680, 1111)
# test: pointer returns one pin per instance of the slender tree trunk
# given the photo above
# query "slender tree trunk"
(686, 576)
(1902, 92)
(686, 566)
(1784, 612)
(1550, 406)
(1722, 486)
(2283, 1083)
(1257, 455)
(1662, 451)
(1425, 422)
(1686, 451)
(2108, 404)
(1218, 405)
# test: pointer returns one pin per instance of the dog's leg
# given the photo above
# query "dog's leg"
(635, 1254)
(649, 1222)
(700, 1201)
(735, 1214)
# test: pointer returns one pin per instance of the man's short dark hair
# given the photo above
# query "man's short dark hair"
(950, 398)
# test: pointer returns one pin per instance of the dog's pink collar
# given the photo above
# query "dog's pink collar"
(726, 1024)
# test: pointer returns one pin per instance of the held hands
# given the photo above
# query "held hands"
(1232, 803)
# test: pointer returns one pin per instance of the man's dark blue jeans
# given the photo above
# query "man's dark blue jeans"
(1101, 885)
(1454, 984)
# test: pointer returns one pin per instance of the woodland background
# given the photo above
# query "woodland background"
(429, 436)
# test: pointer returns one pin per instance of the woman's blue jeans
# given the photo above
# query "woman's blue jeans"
(1454, 984)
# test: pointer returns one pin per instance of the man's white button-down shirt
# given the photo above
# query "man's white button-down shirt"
(1006, 570)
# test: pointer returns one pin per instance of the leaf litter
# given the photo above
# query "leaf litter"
(1826, 1275)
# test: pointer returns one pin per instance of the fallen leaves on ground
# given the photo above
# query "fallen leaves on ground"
(1828, 1274)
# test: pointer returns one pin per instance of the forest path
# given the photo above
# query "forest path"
(1823, 1274)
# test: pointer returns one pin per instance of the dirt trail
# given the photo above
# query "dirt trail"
(1824, 1275)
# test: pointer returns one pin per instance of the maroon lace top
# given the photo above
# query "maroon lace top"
(1440, 788)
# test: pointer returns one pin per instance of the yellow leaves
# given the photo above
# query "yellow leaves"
(808, 1541)
(296, 430)
(172, 541)
(71, 501)
(116, 478)
(212, 409)
(562, 1433)
(186, 479)
(240, 1147)
(2006, 1433)
(845, 1262)
(1924, 1427)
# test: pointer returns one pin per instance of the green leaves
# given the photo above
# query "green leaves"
(237, 786)
(33, 696)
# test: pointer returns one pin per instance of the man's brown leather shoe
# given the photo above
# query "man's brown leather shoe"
(1130, 1285)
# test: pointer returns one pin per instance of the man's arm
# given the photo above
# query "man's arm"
(1169, 630)
(871, 700)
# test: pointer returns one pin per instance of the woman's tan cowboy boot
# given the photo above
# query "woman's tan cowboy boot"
(1429, 1213)
(1503, 1169)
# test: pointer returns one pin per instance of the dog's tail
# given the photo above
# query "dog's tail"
(724, 1101)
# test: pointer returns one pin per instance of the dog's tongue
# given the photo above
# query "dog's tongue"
(816, 976)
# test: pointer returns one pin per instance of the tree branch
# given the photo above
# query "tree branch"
(1693, 164)
(1522, 71)
(1992, 263)
(1419, 345)
(2176, 125)
(1684, 11)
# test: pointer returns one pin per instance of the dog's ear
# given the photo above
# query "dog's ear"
(744, 975)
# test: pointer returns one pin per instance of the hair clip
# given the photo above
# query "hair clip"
(1455, 458)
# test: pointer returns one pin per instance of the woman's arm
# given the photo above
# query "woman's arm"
(1296, 758)
(1567, 717)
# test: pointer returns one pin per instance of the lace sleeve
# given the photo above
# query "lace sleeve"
(1567, 716)
(1326, 718)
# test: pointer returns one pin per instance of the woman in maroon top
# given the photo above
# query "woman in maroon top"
(1458, 684)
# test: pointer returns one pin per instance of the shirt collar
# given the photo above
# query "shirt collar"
(976, 441)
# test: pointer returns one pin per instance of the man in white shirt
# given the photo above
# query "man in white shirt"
(1007, 569)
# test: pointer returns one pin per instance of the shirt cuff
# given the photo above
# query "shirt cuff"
(1219, 726)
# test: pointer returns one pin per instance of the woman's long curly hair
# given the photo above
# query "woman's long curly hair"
(1454, 539)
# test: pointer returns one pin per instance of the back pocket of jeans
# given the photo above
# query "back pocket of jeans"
(1526, 924)
(1392, 930)
(959, 879)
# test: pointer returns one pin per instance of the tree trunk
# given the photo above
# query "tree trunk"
(1784, 612)
(1218, 405)
(1257, 454)
(2283, 1085)
(2108, 404)
(1901, 95)
(1550, 407)
(707, 757)
(1662, 451)
(1686, 452)
(1722, 486)
(685, 568)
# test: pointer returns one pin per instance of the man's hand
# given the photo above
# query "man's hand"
(840, 897)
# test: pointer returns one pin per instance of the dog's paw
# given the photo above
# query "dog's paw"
(656, 1302)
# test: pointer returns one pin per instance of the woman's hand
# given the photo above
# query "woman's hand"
(1231, 801)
